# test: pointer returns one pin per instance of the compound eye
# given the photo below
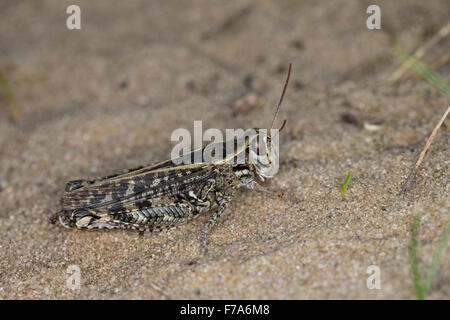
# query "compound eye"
(254, 146)
(263, 151)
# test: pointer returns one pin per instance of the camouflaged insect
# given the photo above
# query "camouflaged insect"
(164, 194)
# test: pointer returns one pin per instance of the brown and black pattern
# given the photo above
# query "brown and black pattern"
(152, 198)
(164, 194)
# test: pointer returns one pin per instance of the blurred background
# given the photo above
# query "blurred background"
(85, 103)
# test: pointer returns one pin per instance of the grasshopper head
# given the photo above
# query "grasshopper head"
(263, 151)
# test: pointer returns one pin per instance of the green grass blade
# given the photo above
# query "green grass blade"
(428, 74)
(343, 186)
(346, 182)
(413, 259)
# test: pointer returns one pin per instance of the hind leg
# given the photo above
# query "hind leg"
(212, 221)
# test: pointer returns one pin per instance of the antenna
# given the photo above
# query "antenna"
(281, 99)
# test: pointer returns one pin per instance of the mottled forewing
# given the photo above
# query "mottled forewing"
(116, 193)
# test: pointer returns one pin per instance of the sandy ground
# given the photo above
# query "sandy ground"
(107, 97)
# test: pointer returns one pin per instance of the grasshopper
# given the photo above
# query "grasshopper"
(164, 194)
